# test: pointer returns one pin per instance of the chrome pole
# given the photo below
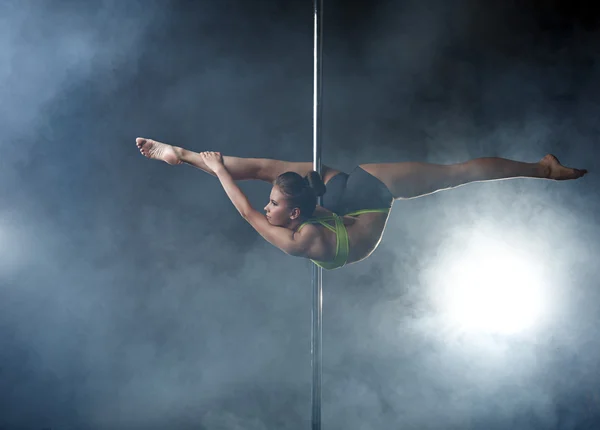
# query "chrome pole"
(317, 272)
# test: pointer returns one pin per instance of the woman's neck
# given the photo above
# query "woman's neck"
(294, 224)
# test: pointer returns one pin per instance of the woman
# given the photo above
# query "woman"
(350, 224)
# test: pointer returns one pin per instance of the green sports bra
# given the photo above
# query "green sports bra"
(338, 227)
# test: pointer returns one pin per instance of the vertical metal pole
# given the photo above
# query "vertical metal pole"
(317, 272)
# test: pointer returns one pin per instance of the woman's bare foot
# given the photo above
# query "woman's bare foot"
(554, 170)
(158, 151)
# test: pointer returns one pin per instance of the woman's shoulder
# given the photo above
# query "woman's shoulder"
(307, 227)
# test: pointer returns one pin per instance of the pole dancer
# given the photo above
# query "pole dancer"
(350, 223)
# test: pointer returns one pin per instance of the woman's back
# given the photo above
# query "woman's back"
(364, 234)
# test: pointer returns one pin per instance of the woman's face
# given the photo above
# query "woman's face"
(277, 211)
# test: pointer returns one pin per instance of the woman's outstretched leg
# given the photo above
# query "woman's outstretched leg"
(412, 179)
(241, 169)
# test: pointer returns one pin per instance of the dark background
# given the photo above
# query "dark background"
(132, 294)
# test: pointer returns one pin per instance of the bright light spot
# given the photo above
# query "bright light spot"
(490, 286)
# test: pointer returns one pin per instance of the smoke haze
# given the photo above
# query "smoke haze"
(132, 294)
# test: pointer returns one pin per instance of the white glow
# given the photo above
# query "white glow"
(490, 286)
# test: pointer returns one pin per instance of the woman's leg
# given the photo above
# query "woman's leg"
(241, 169)
(413, 179)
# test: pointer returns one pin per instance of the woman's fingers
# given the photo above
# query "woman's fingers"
(212, 154)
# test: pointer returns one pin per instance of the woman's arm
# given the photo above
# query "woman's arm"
(292, 243)
(235, 194)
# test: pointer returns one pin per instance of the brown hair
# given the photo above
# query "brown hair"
(301, 192)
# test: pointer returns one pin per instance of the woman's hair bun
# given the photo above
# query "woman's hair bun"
(314, 181)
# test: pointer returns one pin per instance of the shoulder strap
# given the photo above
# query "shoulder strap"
(322, 221)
